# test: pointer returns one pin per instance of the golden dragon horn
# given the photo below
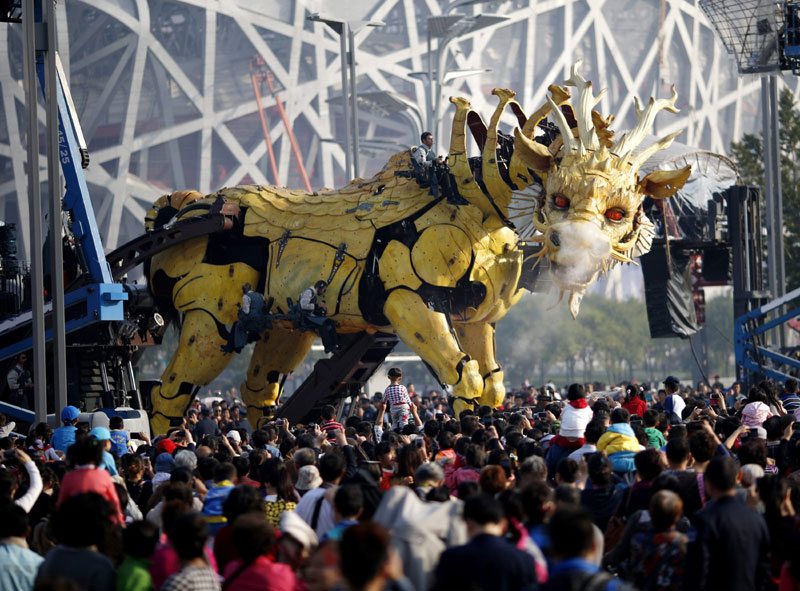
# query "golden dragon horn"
(568, 141)
(466, 184)
(497, 187)
(583, 109)
(645, 117)
(517, 169)
(661, 144)
(560, 95)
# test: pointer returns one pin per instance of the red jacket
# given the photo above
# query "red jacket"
(637, 406)
(91, 479)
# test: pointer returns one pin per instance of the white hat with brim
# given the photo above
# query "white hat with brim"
(308, 478)
(293, 525)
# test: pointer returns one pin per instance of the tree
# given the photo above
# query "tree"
(719, 334)
(609, 342)
(748, 155)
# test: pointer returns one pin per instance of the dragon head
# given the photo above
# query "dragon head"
(589, 214)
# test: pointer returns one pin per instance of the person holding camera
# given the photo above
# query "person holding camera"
(425, 155)
(311, 299)
(434, 170)
(206, 425)
(19, 382)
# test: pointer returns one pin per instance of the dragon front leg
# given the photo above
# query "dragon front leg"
(478, 341)
(278, 352)
(196, 362)
(428, 334)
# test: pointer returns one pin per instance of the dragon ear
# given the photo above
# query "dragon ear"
(661, 184)
(531, 153)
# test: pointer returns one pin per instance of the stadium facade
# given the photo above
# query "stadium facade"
(167, 101)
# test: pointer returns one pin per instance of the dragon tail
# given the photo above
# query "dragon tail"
(161, 213)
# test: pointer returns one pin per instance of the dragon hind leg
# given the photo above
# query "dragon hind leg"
(199, 340)
(428, 334)
(278, 352)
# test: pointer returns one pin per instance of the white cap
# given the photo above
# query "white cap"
(293, 525)
(233, 434)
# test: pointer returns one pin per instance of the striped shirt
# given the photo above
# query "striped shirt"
(396, 395)
(329, 427)
(790, 403)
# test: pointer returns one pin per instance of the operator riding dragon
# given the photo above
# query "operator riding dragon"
(397, 258)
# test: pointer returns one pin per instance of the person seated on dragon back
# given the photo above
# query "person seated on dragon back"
(308, 302)
(313, 312)
(433, 171)
(253, 320)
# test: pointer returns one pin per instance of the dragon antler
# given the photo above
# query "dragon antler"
(645, 117)
(568, 141)
(583, 109)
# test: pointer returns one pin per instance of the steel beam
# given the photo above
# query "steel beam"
(35, 210)
(55, 187)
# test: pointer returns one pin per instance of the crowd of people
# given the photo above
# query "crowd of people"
(577, 488)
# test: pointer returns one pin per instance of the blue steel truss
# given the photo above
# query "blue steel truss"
(749, 330)
(103, 299)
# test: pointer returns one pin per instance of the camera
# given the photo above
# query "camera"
(541, 416)
(439, 416)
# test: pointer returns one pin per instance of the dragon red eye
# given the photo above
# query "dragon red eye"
(560, 202)
(615, 215)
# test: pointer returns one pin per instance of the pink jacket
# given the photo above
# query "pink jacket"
(463, 474)
(91, 479)
(262, 575)
(755, 413)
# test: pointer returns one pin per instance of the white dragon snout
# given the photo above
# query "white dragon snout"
(577, 250)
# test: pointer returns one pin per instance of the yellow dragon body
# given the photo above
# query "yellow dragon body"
(396, 258)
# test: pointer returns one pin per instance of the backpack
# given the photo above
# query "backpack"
(616, 524)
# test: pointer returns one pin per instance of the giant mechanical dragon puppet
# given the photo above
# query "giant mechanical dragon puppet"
(397, 259)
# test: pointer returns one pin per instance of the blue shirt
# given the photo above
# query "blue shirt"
(575, 564)
(108, 463)
(276, 453)
(63, 437)
(18, 567)
(336, 533)
(119, 442)
(212, 505)
(541, 537)
(583, 566)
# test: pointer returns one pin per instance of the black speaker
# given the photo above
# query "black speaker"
(668, 293)
(717, 264)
